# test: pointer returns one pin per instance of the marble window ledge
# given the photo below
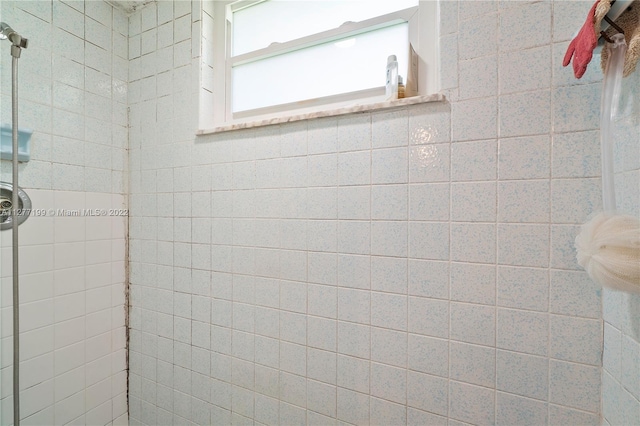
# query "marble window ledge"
(437, 97)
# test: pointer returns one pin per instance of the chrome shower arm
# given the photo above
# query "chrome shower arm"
(6, 32)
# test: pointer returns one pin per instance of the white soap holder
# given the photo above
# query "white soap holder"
(24, 138)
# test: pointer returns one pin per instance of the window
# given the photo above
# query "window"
(282, 57)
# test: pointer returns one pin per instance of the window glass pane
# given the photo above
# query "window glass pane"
(259, 25)
(347, 65)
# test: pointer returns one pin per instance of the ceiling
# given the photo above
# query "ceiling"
(131, 5)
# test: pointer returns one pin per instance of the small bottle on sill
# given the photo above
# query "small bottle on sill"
(400, 87)
(391, 87)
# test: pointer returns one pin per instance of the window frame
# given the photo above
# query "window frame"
(425, 42)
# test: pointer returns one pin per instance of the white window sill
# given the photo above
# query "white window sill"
(437, 97)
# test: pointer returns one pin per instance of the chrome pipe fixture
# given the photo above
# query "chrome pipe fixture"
(17, 44)
(6, 206)
(6, 32)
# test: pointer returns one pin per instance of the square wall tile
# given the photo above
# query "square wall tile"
(473, 202)
(574, 293)
(322, 203)
(293, 140)
(474, 160)
(293, 389)
(293, 327)
(525, 26)
(472, 364)
(474, 119)
(470, 403)
(522, 331)
(473, 323)
(293, 296)
(389, 202)
(523, 288)
(428, 355)
(321, 333)
(353, 407)
(387, 412)
(523, 201)
(389, 166)
(429, 240)
(573, 200)
(321, 398)
(269, 173)
(473, 283)
(429, 278)
(429, 317)
(575, 339)
(524, 158)
(512, 409)
(429, 163)
(473, 242)
(322, 235)
(322, 268)
(429, 201)
(389, 310)
(354, 132)
(322, 136)
(426, 392)
(354, 305)
(354, 340)
(523, 245)
(323, 170)
(390, 128)
(353, 373)
(322, 300)
(478, 77)
(574, 385)
(576, 108)
(293, 358)
(389, 383)
(389, 347)
(522, 374)
(354, 271)
(389, 274)
(478, 36)
(354, 168)
(429, 123)
(525, 114)
(354, 202)
(525, 70)
(389, 238)
(576, 154)
(354, 237)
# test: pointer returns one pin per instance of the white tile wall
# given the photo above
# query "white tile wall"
(73, 94)
(621, 358)
(73, 338)
(393, 267)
